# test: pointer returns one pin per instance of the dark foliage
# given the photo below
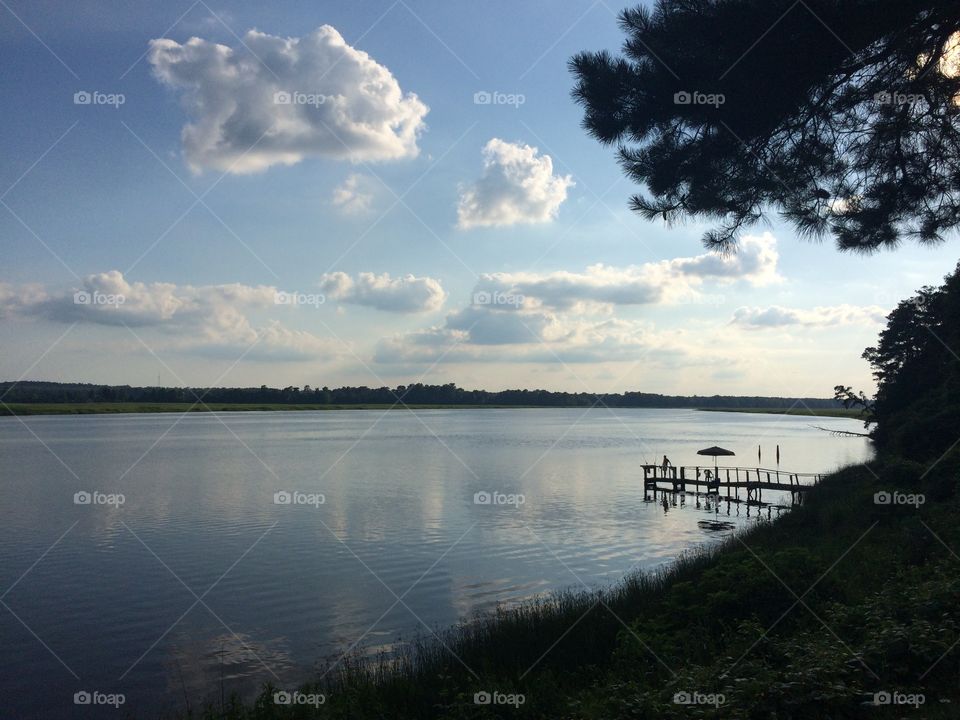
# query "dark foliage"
(416, 394)
(917, 368)
(841, 115)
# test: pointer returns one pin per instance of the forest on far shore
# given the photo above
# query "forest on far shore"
(416, 394)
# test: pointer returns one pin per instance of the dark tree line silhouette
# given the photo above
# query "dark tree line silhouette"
(415, 394)
(917, 368)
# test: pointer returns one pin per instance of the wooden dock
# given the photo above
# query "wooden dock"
(726, 482)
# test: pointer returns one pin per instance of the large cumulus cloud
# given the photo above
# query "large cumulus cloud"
(518, 185)
(342, 104)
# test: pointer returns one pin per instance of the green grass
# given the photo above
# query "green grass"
(812, 412)
(878, 607)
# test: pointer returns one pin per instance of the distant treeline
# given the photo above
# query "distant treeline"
(417, 394)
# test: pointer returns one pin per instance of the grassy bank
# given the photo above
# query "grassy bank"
(810, 412)
(807, 617)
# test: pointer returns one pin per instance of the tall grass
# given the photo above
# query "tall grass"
(554, 634)
(604, 653)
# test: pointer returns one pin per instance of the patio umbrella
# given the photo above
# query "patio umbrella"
(715, 452)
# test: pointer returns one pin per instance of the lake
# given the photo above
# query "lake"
(250, 547)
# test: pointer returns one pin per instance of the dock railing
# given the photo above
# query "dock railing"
(712, 480)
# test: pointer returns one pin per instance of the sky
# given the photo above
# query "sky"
(377, 193)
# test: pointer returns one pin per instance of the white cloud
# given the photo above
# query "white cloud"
(755, 259)
(540, 317)
(485, 325)
(14, 299)
(342, 103)
(353, 196)
(206, 320)
(517, 186)
(274, 341)
(600, 287)
(524, 333)
(775, 316)
(402, 294)
(486, 335)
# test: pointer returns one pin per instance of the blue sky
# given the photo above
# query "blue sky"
(484, 244)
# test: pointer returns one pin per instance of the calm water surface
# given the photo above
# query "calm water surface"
(199, 573)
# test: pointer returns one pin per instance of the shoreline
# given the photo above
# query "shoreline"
(107, 408)
(803, 411)
(610, 652)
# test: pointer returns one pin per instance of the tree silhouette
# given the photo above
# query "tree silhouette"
(917, 369)
(33, 391)
(840, 115)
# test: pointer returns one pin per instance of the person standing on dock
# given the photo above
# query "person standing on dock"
(666, 464)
